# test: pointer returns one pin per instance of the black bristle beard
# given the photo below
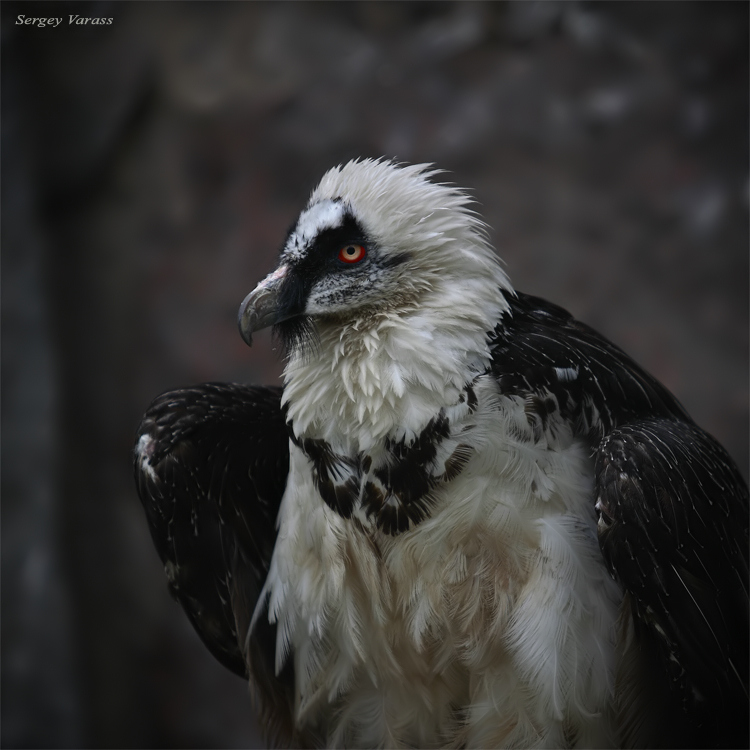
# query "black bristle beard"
(298, 336)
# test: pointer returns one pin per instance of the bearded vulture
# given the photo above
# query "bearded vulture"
(466, 520)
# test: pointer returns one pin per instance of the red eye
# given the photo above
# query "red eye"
(351, 253)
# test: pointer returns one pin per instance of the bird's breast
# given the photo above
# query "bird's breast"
(410, 580)
(393, 486)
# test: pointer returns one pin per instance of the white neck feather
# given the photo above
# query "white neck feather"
(389, 373)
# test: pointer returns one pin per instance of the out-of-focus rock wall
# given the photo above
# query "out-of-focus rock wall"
(150, 169)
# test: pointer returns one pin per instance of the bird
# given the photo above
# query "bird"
(465, 518)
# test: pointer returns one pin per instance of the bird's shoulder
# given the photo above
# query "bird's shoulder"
(220, 443)
(558, 363)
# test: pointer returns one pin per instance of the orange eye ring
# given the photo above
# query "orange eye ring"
(351, 253)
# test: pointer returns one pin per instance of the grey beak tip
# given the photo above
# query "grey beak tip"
(243, 320)
(247, 337)
(258, 310)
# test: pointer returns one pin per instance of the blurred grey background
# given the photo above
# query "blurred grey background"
(150, 169)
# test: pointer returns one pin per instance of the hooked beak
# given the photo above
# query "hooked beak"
(260, 308)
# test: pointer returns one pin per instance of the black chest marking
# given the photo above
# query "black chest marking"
(398, 492)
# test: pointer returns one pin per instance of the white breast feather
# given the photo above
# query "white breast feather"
(498, 602)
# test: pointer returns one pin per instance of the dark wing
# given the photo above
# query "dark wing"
(673, 518)
(539, 350)
(211, 465)
(673, 529)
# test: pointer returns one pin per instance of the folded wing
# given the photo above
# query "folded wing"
(673, 528)
(211, 464)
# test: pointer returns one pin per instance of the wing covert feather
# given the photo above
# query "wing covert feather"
(673, 529)
(211, 463)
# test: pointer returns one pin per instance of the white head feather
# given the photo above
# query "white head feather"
(415, 332)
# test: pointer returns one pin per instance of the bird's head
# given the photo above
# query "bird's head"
(376, 239)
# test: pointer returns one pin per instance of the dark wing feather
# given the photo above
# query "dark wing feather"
(211, 465)
(673, 518)
(540, 349)
(674, 532)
